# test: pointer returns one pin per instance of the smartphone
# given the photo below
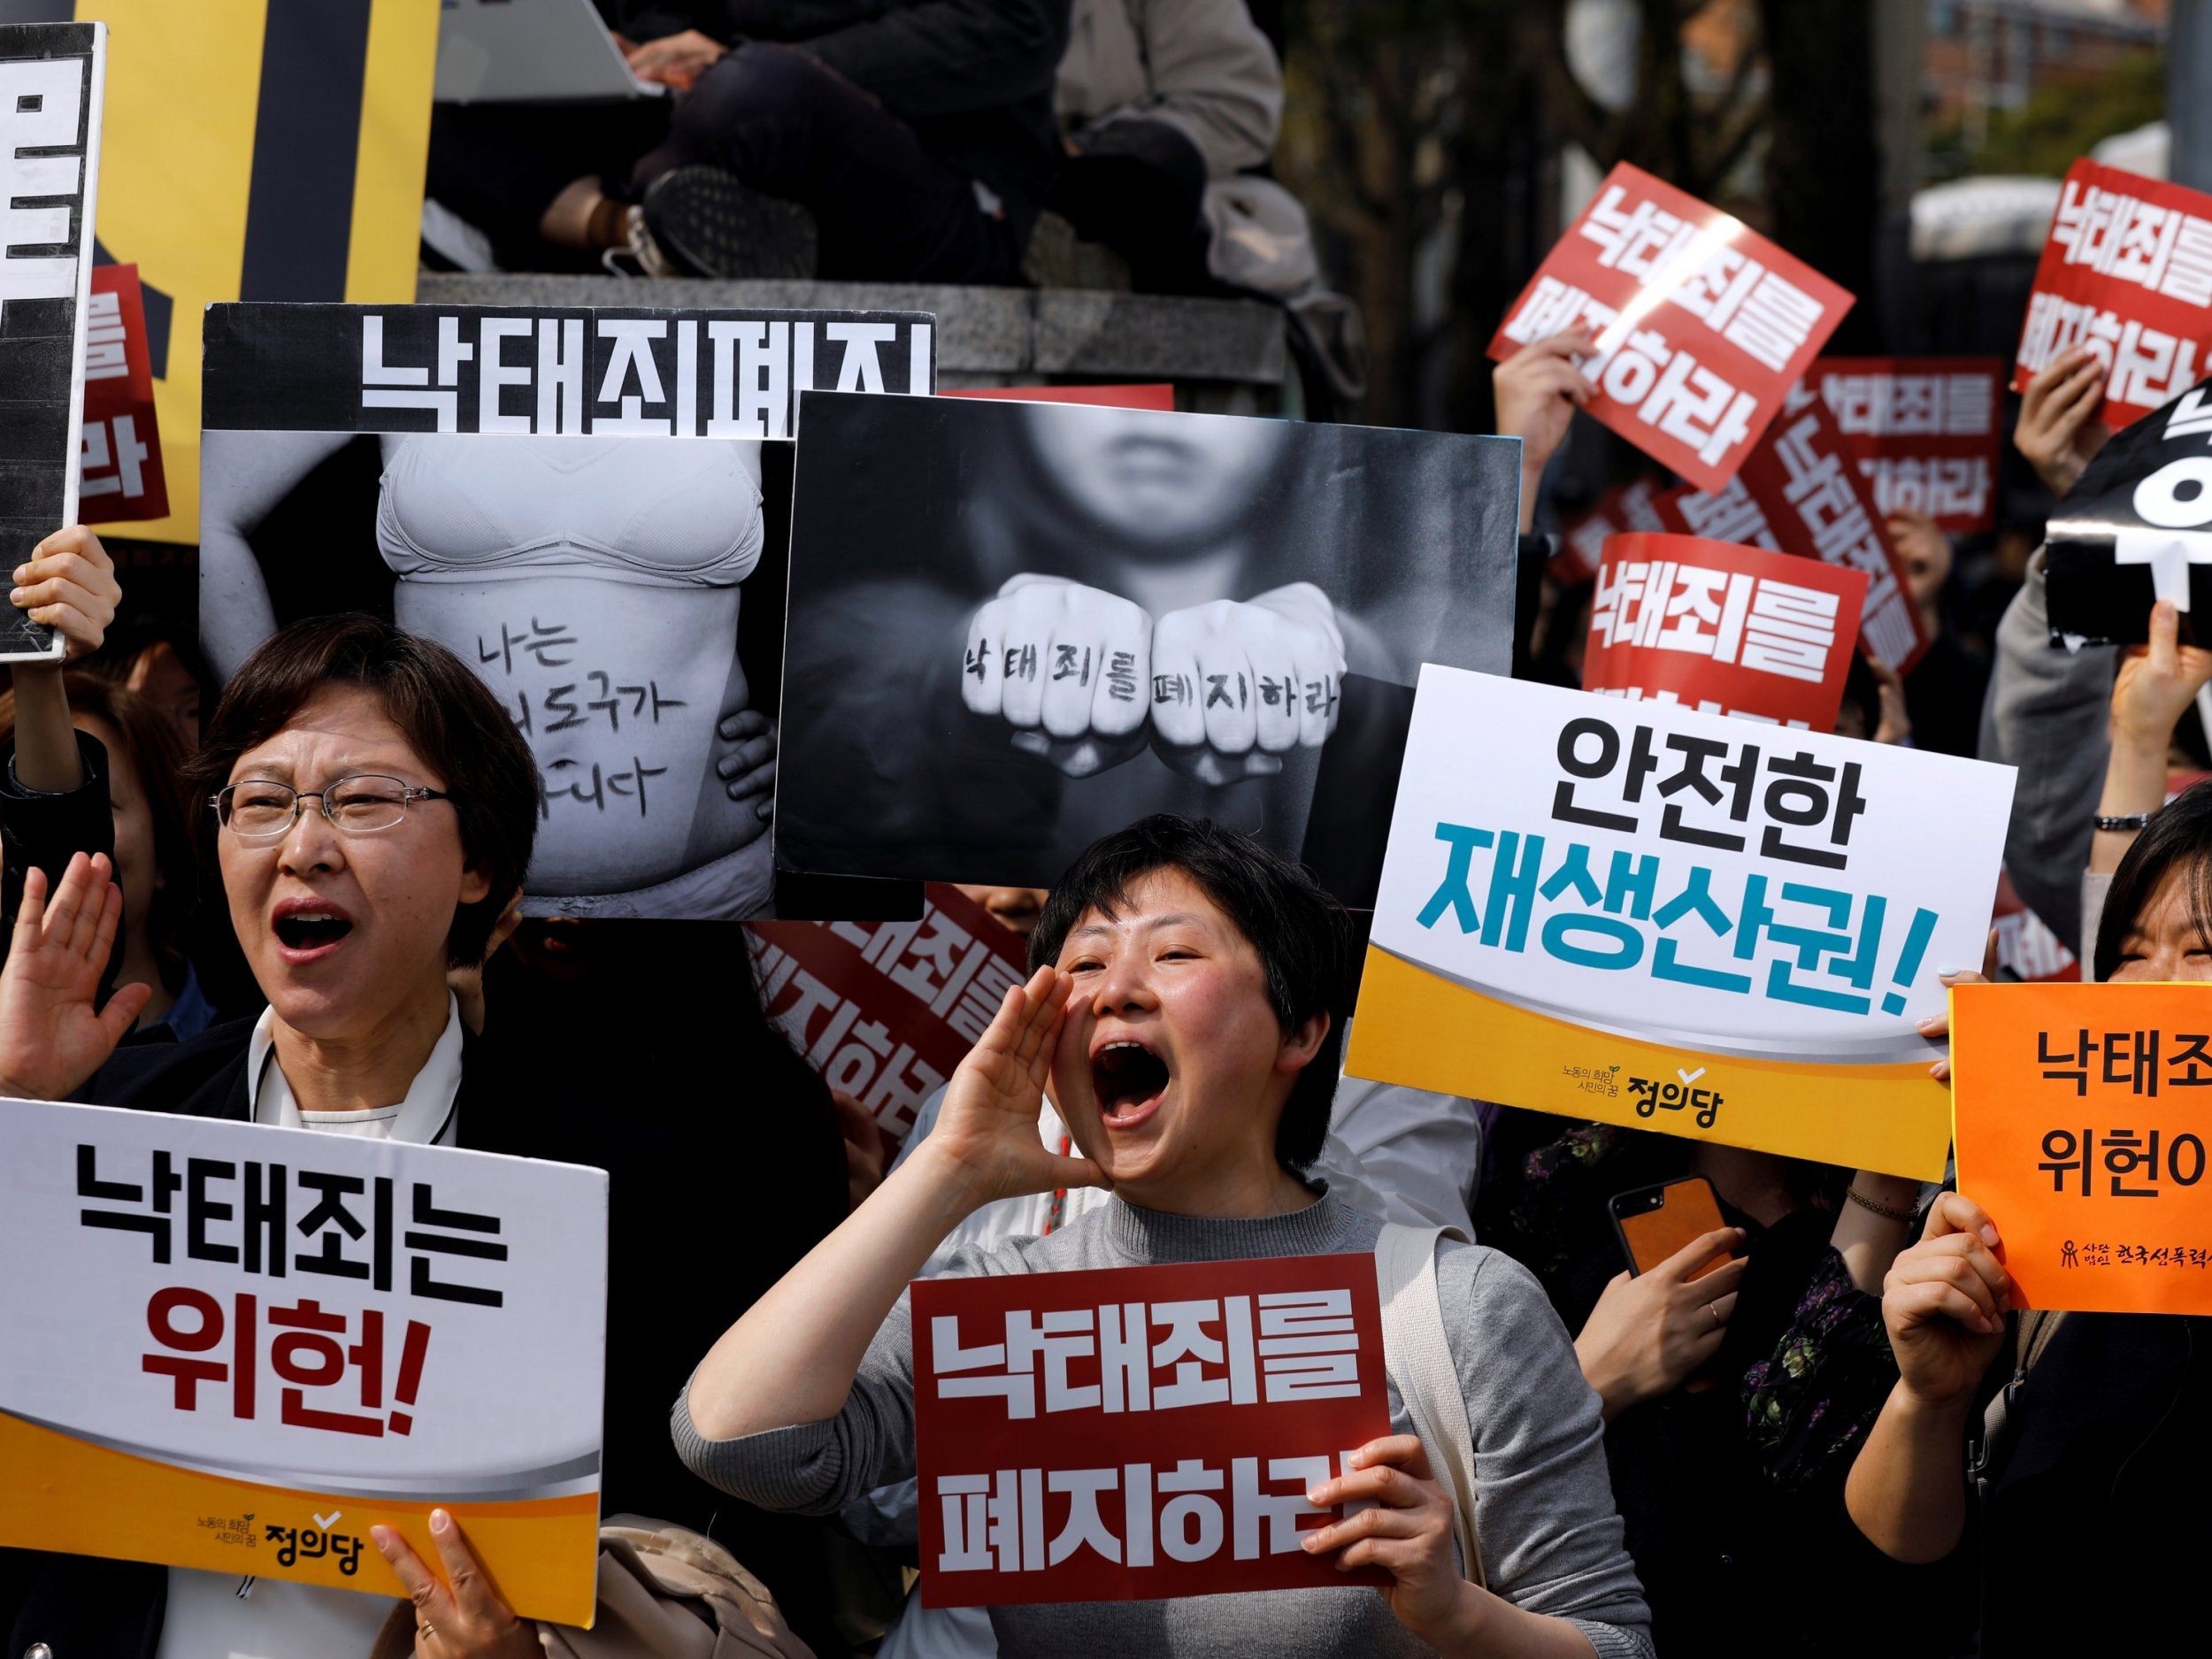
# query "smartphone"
(1654, 1222)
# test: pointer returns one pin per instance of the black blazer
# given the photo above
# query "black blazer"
(692, 1239)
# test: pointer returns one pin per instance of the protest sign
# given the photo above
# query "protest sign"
(237, 1348)
(1799, 493)
(2126, 273)
(1671, 920)
(120, 468)
(1014, 627)
(1162, 397)
(1925, 431)
(260, 152)
(1702, 323)
(2080, 1132)
(884, 1010)
(587, 506)
(1730, 630)
(1140, 1433)
(52, 77)
(2136, 528)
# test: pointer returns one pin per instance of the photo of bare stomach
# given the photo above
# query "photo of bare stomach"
(593, 584)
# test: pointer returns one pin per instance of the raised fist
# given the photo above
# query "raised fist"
(1066, 666)
(1236, 685)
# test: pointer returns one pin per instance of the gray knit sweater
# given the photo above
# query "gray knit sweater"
(1549, 1534)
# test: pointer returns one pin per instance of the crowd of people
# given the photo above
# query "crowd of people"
(907, 141)
(1821, 1429)
(1681, 1458)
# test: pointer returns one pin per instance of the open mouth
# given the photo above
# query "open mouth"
(310, 930)
(1128, 1079)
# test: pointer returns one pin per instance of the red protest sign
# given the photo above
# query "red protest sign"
(884, 1010)
(1799, 493)
(1730, 630)
(2127, 273)
(1924, 431)
(1727, 514)
(119, 455)
(1703, 324)
(1136, 1433)
(1821, 507)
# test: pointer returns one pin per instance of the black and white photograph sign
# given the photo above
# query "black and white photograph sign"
(1017, 627)
(2136, 528)
(589, 508)
(51, 77)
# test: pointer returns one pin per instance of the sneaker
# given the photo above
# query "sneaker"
(701, 221)
(640, 256)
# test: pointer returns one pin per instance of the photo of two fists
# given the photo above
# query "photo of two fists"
(1222, 691)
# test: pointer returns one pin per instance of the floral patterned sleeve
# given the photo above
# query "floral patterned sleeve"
(1808, 1405)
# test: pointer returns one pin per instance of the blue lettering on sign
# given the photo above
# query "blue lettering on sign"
(1797, 941)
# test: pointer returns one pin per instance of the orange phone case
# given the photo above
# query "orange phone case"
(1686, 1209)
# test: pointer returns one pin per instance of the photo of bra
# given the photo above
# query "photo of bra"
(657, 512)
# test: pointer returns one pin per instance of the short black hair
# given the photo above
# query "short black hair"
(2178, 840)
(448, 715)
(1298, 930)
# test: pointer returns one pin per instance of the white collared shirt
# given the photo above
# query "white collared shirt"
(426, 1117)
(208, 1616)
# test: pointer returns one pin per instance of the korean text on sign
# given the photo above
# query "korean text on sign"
(885, 1009)
(605, 371)
(1799, 493)
(2085, 1112)
(1701, 324)
(1730, 630)
(260, 1342)
(119, 453)
(1924, 431)
(1139, 1432)
(2126, 274)
(1578, 893)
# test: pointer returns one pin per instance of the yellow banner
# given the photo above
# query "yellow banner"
(66, 1495)
(255, 149)
(1423, 1030)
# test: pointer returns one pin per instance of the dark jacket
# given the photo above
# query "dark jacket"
(972, 78)
(717, 1186)
(41, 831)
(2092, 1527)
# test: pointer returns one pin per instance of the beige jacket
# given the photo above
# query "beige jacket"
(1202, 67)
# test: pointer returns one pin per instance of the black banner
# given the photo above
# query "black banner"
(2137, 528)
(50, 77)
(605, 369)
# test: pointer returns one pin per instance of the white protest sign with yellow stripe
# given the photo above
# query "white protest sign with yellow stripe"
(1644, 915)
(237, 1348)
(268, 149)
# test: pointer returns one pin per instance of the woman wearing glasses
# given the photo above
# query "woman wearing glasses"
(372, 809)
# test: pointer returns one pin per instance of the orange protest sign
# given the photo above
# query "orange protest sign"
(2081, 1129)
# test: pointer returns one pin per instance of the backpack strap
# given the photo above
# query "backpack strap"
(1419, 1360)
(2032, 1329)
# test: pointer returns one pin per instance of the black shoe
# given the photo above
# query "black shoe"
(701, 221)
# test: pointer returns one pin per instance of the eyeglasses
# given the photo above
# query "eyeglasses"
(260, 809)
